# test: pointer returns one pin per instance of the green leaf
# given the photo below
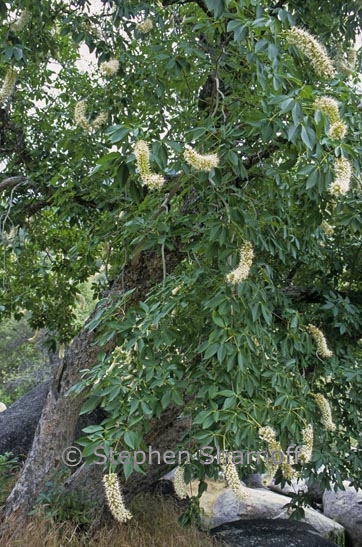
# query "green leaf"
(211, 350)
(177, 398)
(92, 429)
(308, 137)
(201, 417)
(312, 179)
(239, 29)
(286, 105)
(18, 53)
(233, 158)
(197, 132)
(128, 469)
(219, 321)
(273, 51)
(292, 132)
(297, 113)
(166, 399)
(90, 404)
(118, 135)
(229, 402)
(216, 6)
(261, 45)
(130, 438)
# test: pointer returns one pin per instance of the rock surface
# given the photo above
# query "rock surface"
(255, 480)
(295, 487)
(269, 533)
(19, 421)
(345, 506)
(221, 506)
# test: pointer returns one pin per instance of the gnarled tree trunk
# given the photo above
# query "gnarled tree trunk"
(58, 421)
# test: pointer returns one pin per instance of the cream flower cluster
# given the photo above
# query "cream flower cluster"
(319, 338)
(79, 115)
(142, 153)
(268, 435)
(327, 228)
(145, 26)
(348, 65)
(338, 130)
(109, 68)
(326, 412)
(232, 477)
(342, 177)
(313, 50)
(81, 119)
(114, 498)
(351, 57)
(179, 483)
(241, 272)
(201, 162)
(308, 437)
(329, 107)
(8, 86)
(100, 120)
(20, 24)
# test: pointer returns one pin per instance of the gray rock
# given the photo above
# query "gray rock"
(345, 506)
(18, 422)
(269, 533)
(255, 480)
(295, 487)
(223, 507)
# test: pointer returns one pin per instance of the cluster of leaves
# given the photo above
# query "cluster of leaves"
(24, 364)
(220, 77)
(59, 504)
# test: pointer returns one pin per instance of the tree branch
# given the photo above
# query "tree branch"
(200, 3)
(10, 182)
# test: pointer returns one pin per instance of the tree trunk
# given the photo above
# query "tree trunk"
(57, 425)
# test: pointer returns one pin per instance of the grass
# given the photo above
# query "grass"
(155, 524)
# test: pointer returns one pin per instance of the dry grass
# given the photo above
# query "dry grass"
(155, 524)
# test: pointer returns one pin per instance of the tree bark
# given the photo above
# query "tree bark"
(10, 182)
(57, 425)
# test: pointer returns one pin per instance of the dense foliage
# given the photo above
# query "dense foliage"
(24, 363)
(223, 78)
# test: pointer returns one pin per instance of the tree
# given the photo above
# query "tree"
(209, 168)
(23, 362)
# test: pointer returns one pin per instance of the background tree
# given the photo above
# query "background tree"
(23, 363)
(209, 168)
